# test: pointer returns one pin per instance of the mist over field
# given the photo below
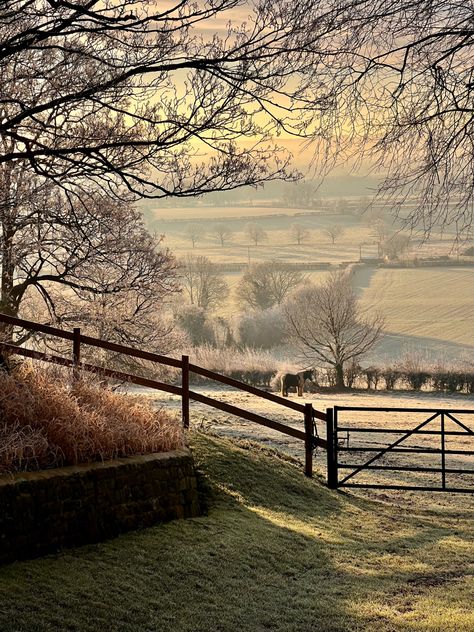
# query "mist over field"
(425, 289)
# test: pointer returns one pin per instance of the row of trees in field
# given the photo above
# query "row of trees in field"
(256, 234)
(391, 243)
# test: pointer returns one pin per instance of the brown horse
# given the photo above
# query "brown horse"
(295, 379)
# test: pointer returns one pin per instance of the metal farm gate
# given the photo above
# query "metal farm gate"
(400, 448)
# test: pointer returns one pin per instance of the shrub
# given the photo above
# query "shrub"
(194, 321)
(391, 377)
(448, 380)
(372, 376)
(470, 382)
(50, 422)
(248, 365)
(351, 373)
(416, 379)
(260, 329)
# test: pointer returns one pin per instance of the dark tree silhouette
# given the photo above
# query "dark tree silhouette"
(135, 93)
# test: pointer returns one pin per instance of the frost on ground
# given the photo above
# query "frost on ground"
(227, 425)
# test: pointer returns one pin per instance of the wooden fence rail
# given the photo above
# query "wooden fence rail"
(308, 435)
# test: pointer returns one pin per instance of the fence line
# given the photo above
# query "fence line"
(308, 436)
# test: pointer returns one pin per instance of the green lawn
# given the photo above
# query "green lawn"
(276, 551)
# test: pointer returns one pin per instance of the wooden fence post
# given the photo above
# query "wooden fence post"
(308, 429)
(76, 353)
(185, 390)
(331, 452)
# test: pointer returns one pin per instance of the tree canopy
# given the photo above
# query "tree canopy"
(150, 97)
(136, 94)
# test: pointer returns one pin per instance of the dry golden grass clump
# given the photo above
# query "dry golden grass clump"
(49, 421)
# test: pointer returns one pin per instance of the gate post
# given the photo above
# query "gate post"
(185, 390)
(308, 441)
(331, 451)
(443, 453)
(76, 353)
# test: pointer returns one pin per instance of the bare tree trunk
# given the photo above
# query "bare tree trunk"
(340, 376)
(8, 304)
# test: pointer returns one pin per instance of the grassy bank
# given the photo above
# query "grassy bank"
(275, 552)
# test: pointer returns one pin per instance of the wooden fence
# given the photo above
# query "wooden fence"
(308, 435)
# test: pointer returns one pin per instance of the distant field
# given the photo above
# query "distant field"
(426, 309)
(432, 302)
(279, 245)
(357, 239)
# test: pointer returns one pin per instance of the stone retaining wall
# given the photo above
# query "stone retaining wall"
(44, 511)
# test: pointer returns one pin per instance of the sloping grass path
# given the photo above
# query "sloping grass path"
(275, 552)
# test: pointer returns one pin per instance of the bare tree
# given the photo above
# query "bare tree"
(139, 93)
(395, 245)
(380, 230)
(194, 232)
(401, 82)
(255, 233)
(334, 232)
(202, 283)
(223, 233)
(299, 233)
(326, 324)
(67, 256)
(267, 284)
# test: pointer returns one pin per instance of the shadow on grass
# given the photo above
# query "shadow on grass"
(275, 552)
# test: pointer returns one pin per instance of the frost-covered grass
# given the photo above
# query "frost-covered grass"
(276, 551)
(47, 420)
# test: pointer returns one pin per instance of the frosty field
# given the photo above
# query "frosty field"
(228, 425)
(427, 310)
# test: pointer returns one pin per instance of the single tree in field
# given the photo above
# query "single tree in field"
(267, 284)
(223, 233)
(203, 285)
(380, 230)
(326, 324)
(194, 232)
(299, 233)
(334, 232)
(255, 233)
(396, 245)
